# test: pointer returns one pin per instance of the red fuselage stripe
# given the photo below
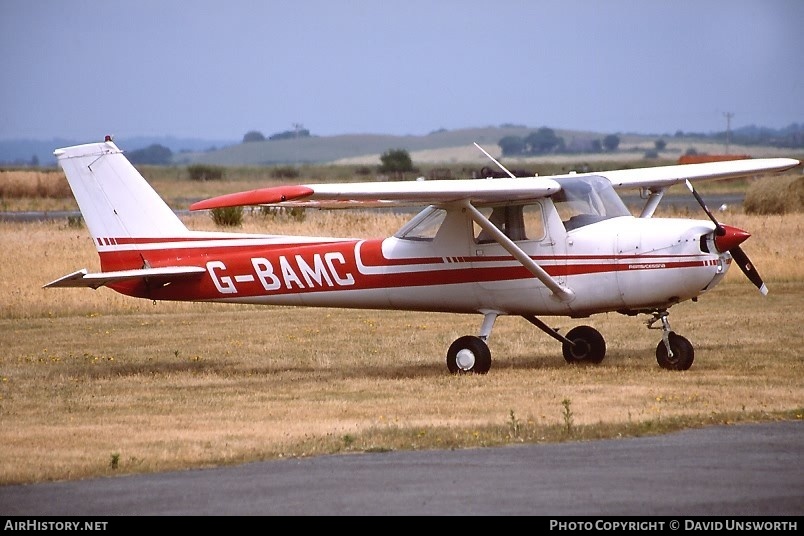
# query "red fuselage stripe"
(289, 268)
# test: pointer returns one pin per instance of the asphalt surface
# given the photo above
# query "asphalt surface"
(739, 470)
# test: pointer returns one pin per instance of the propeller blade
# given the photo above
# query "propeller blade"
(748, 269)
(718, 228)
(737, 252)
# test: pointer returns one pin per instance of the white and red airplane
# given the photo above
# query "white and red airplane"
(563, 245)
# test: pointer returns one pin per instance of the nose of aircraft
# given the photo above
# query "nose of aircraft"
(730, 239)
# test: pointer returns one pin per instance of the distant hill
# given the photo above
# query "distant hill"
(442, 146)
(21, 152)
(356, 147)
(456, 146)
(345, 148)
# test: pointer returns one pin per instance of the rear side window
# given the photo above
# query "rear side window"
(518, 222)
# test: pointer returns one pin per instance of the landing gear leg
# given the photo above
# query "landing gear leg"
(666, 329)
(582, 344)
(674, 352)
(487, 326)
(470, 354)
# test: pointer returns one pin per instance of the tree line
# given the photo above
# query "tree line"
(546, 141)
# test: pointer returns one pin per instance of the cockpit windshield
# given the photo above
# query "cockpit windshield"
(586, 200)
(424, 225)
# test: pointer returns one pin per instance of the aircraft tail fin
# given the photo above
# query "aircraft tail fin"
(116, 202)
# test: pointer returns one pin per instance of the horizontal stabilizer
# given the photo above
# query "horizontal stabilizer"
(82, 278)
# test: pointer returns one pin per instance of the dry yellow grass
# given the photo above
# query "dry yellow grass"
(35, 190)
(169, 390)
(785, 196)
(94, 383)
(29, 184)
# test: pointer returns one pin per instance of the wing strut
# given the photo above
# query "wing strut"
(652, 202)
(561, 292)
(502, 167)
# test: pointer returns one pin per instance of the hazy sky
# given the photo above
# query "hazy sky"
(79, 69)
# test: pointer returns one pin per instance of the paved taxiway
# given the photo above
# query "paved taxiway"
(739, 470)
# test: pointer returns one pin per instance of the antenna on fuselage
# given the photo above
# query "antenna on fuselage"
(502, 167)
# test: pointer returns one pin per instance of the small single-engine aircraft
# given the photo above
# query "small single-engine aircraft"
(563, 245)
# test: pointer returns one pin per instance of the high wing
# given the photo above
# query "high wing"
(656, 180)
(479, 191)
(160, 275)
(396, 193)
(666, 176)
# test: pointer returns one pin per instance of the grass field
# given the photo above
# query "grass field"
(94, 383)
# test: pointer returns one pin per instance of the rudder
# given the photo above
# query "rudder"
(115, 200)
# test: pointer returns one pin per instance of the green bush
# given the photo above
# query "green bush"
(204, 172)
(285, 172)
(396, 161)
(288, 213)
(227, 216)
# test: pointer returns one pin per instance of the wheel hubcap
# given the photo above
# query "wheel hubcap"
(580, 350)
(465, 359)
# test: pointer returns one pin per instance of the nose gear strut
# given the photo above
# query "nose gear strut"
(666, 329)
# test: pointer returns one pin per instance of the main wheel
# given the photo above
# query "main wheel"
(590, 346)
(469, 354)
(683, 353)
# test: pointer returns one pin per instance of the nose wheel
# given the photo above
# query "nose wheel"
(673, 352)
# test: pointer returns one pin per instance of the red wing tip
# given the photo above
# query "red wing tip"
(263, 196)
